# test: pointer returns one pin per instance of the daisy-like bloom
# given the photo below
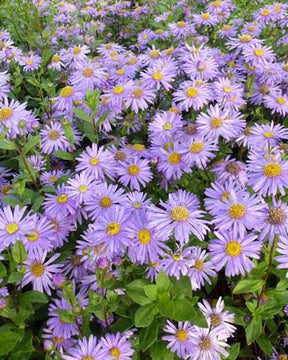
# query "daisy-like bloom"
(177, 264)
(258, 54)
(171, 162)
(88, 75)
(140, 97)
(62, 202)
(96, 162)
(180, 216)
(136, 202)
(81, 187)
(229, 94)
(57, 325)
(40, 273)
(50, 177)
(104, 198)
(165, 123)
(276, 221)
(146, 245)
(110, 231)
(268, 174)
(10, 115)
(65, 100)
(30, 62)
(200, 65)
(282, 249)
(76, 54)
(86, 349)
(13, 225)
(227, 31)
(201, 269)
(134, 172)
(219, 318)
(53, 138)
(40, 236)
(160, 74)
(265, 135)
(205, 19)
(62, 225)
(259, 90)
(235, 251)
(193, 94)
(38, 162)
(241, 42)
(207, 344)
(239, 212)
(199, 151)
(230, 169)
(120, 92)
(181, 29)
(179, 338)
(117, 346)
(56, 62)
(277, 103)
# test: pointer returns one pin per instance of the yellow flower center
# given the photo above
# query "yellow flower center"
(154, 54)
(265, 12)
(88, 72)
(233, 248)
(157, 75)
(245, 38)
(167, 126)
(206, 16)
(105, 202)
(5, 113)
(281, 101)
(272, 170)
(237, 211)
(55, 58)
(176, 257)
(137, 205)
(53, 135)
(12, 228)
(82, 188)
(205, 343)
(215, 319)
(180, 213)
(139, 147)
(282, 357)
(76, 50)
(29, 62)
(181, 24)
(225, 195)
(61, 199)
(191, 92)
(216, 3)
(116, 353)
(216, 122)
(144, 236)
(120, 72)
(37, 269)
(88, 358)
(94, 161)
(120, 156)
(276, 216)
(251, 28)
(259, 52)
(133, 170)
(198, 264)
(52, 178)
(113, 228)
(226, 27)
(159, 31)
(181, 335)
(66, 91)
(118, 90)
(196, 147)
(269, 134)
(174, 158)
(33, 236)
(227, 89)
(137, 93)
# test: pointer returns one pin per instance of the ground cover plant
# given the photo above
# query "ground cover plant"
(143, 180)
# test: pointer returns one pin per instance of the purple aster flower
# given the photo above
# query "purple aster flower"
(205, 19)
(76, 54)
(230, 169)
(234, 251)
(177, 264)
(117, 346)
(265, 135)
(81, 187)
(57, 325)
(140, 97)
(179, 338)
(277, 103)
(118, 94)
(268, 174)
(53, 138)
(62, 202)
(86, 349)
(229, 94)
(96, 162)
(134, 172)
(160, 74)
(200, 65)
(30, 62)
(257, 54)
(88, 75)
(193, 94)
(64, 102)
(239, 212)
(14, 225)
(136, 202)
(39, 272)
(180, 216)
(165, 123)
(282, 249)
(62, 225)
(10, 114)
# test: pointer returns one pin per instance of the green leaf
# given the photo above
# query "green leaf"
(69, 132)
(148, 335)
(145, 315)
(265, 345)
(32, 143)
(24, 348)
(66, 316)
(249, 285)
(64, 155)
(81, 114)
(3, 270)
(166, 306)
(163, 283)
(234, 351)
(102, 118)
(8, 340)
(15, 277)
(253, 329)
(159, 351)
(93, 99)
(151, 291)
(33, 296)
(135, 290)
(19, 252)
(7, 145)
(182, 287)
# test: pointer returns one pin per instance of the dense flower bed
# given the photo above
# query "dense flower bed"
(143, 176)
